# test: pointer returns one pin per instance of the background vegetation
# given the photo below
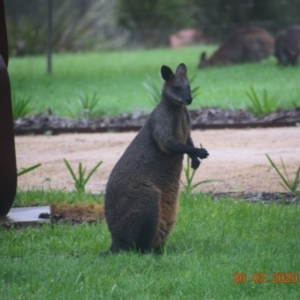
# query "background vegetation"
(117, 79)
(80, 25)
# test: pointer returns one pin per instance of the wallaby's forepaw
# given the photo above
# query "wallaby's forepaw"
(195, 162)
(202, 153)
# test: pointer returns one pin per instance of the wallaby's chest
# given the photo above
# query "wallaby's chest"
(182, 127)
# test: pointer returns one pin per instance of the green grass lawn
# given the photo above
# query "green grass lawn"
(117, 78)
(211, 241)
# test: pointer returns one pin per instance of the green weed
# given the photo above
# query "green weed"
(261, 106)
(153, 89)
(195, 90)
(288, 184)
(81, 180)
(188, 185)
(21, 107)
(26, 170)
(296, 102)
(88, 107)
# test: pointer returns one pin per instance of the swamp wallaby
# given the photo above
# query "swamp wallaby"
(287, 46)
(244, 45)
(142, 190)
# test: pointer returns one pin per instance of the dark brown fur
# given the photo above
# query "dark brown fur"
(244, 45)
(142, 191)
(287, 46)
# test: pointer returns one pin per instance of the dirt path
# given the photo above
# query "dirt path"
(236, 156)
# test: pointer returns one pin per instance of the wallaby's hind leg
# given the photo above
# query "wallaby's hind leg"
(136, 230)
(163, 232)
(148, 232)
(167, 218)
(139, 238)
(118, 245)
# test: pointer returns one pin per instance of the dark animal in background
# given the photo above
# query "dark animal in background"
(141, 196)
(250, 44)
(287, 46)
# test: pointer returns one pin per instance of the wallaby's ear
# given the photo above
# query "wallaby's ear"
(166, 73)
(181, 69)
(203, 57)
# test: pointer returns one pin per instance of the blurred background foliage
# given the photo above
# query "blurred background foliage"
(78, 25)
(94, 25)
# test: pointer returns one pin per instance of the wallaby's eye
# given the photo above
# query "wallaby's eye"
(176, 89)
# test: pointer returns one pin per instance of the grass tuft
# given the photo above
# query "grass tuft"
(261, 106)
(189, 173)
(89, 107)
(80, 181)
(288, 184)
(21, 107)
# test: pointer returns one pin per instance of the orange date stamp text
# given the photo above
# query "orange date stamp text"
(260, 277)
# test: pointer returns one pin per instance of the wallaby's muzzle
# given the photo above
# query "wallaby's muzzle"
(188, 100)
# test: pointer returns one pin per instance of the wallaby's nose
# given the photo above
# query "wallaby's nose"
(189, 100)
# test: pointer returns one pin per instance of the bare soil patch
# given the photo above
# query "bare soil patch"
(237, 157)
